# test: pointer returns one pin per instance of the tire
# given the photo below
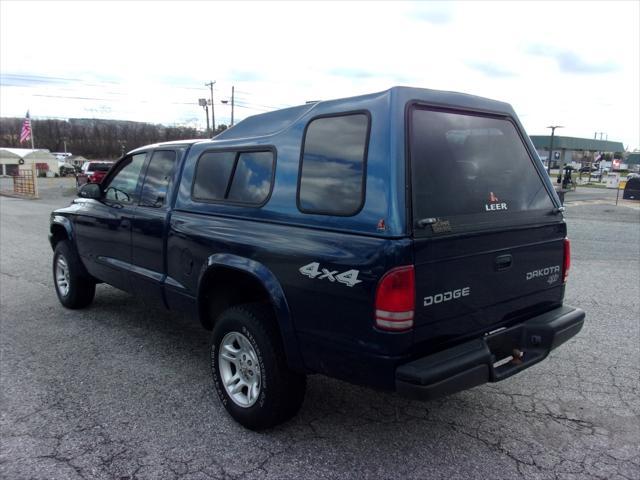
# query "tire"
(251, 329)
(74, 287)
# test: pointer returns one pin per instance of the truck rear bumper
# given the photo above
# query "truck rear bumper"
(489, 359)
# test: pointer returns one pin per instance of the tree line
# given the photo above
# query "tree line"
(94, 138)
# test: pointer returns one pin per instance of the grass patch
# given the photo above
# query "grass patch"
(593, 185)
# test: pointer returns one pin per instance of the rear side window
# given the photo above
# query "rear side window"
(472, 170)
(333, 165)
(236, 177)
(212, 175)
(252, 178)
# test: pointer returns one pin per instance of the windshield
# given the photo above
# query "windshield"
(471, 171)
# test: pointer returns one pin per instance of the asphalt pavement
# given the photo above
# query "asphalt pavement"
(123, 391)
(592, 194)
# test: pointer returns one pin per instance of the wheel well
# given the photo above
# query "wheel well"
(224, 287)
(58, 233)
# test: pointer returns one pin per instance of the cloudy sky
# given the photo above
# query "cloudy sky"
(575, 64)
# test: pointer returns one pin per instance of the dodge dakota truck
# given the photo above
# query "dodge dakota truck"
(408, 240)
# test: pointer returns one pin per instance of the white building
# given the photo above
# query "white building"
(12, 159)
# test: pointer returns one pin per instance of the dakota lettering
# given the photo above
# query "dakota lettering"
(543, 272)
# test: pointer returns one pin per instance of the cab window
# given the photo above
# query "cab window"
(122, 187)
(158, 178)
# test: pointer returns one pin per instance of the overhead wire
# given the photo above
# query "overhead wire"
(65, 83)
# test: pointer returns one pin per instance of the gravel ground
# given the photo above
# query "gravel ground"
(123, 391)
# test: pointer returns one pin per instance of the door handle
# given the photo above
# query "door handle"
(503, 262)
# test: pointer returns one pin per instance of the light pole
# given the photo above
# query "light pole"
(553, 131)
(203, 103)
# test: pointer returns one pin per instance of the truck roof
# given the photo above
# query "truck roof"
(171, 143)
(271, 123)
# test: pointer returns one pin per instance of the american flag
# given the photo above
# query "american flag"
(26, 129)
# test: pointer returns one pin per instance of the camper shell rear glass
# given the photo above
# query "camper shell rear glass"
(471, 171)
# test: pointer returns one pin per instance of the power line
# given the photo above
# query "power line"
(276, 107)
(255, 107)
(97, 83)
(110, 99)
(268, 106)
(66, 83)
(43, 78)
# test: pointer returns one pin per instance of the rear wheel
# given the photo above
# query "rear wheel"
(74, 288)
(249, 368)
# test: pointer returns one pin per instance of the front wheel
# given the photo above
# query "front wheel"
(74, 289)
(249, 368)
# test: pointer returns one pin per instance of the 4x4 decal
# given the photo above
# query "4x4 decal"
(313, 270)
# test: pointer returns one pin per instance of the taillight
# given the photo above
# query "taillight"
(566, 263)
(395, 299)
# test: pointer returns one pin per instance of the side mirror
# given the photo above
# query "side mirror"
(90, 190)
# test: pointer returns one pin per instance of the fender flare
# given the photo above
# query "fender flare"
(64, 222)
(276, 295)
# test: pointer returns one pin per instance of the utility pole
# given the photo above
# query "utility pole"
(213, 112)
(233, 89)
(553, 131)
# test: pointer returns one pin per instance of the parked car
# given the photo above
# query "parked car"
(93, 172)
(632, 189)
(67, 169)
(408, 240)
(587, 169)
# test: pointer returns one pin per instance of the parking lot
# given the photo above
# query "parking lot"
(123, 391)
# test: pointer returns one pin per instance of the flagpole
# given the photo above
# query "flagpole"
(31, 125)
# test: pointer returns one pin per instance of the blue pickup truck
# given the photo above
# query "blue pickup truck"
(408, 240)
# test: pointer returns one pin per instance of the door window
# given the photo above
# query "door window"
(156, 182)
(122, 187)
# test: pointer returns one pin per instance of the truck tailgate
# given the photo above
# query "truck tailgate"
(480, 282)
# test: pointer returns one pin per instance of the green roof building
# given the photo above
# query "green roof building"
(541, 142)
(568, 150)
